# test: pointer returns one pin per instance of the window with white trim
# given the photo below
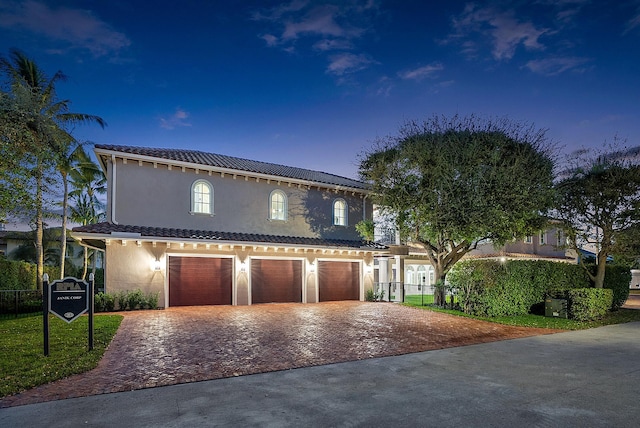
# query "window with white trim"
(278, 205)
(528, 239)
(340, 212)
(201, 197)
(543, 238)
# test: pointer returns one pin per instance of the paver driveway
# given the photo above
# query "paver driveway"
(187, 344)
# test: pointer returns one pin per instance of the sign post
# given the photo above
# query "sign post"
(91, 297)
(67, 299)
(45, 312)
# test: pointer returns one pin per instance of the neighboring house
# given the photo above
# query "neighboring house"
(409, 264)
(205, 229)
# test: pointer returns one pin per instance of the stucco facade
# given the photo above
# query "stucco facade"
(152, 229)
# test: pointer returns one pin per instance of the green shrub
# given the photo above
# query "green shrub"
(135, 300)
(617, 279)
(588, 304)
(104, 302)
(122, 299)
(369, 295)
(19, 275)
(515, 287)
(151, 300)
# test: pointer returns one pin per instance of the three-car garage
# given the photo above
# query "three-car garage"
(209, 280)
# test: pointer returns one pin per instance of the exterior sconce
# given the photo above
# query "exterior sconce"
(157, 266)
(312, 267)
(243, 267)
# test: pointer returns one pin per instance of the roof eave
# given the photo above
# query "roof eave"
(222, 170)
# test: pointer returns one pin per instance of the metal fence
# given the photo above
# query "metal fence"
(19, 303)
(401, 292)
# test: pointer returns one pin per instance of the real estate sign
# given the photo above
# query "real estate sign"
(68, 298)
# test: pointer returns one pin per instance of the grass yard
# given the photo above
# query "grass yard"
(22, 361)
(618, 317)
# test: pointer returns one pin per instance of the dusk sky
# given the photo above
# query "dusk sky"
(313, 83)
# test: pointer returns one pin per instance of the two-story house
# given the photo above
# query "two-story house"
(205, 229)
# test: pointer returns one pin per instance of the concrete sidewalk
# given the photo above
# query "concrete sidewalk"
(586, 378)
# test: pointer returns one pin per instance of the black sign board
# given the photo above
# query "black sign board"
(68, 298)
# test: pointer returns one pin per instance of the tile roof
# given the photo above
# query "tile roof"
(237, 164)
(145, 232)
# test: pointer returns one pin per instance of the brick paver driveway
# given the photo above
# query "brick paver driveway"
(178, 345)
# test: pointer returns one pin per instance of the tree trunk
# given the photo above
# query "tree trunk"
(439, 294)
(86, 261)
(39, 232)
(63, 234)
(598, 279)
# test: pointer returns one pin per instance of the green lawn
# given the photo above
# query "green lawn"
(618, 317)
(22, 361)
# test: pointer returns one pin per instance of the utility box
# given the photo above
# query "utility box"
(555, 308)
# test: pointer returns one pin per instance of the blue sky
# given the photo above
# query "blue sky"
(314, 83)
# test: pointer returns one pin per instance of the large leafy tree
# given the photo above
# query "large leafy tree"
(39, 132)
(599, 201)
(451, 183)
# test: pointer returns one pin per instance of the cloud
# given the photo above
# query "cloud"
(177, 119)
(345, 63)
(80, 29)
(331, 28)
(275, 13)
(633, 23)
(554, 66)
(422, 72)
(332, 45)
(503, 30)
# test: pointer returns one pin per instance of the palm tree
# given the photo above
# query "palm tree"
(44, 124)
(88, 181)
(84, 212)
(72, 160)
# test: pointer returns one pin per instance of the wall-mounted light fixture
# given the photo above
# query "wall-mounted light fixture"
(243, 267)
(157, 266)
(312, 267)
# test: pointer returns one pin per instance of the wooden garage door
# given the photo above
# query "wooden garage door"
(276, 281)
(338, 281)
(199, 281)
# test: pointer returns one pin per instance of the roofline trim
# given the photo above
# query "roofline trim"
(80, 236)
(249, 174)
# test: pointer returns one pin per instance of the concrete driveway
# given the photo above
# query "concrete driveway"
(189, 344)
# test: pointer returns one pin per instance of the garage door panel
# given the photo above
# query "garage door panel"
(276, 281)
(338, 281)
(200, 281)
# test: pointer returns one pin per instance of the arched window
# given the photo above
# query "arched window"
(278, 205)
(201, 197)
(339, 212)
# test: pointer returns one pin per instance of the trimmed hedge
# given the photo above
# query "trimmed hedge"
(617, 278)
(517, 287)
(19, 275)
(587, 304)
